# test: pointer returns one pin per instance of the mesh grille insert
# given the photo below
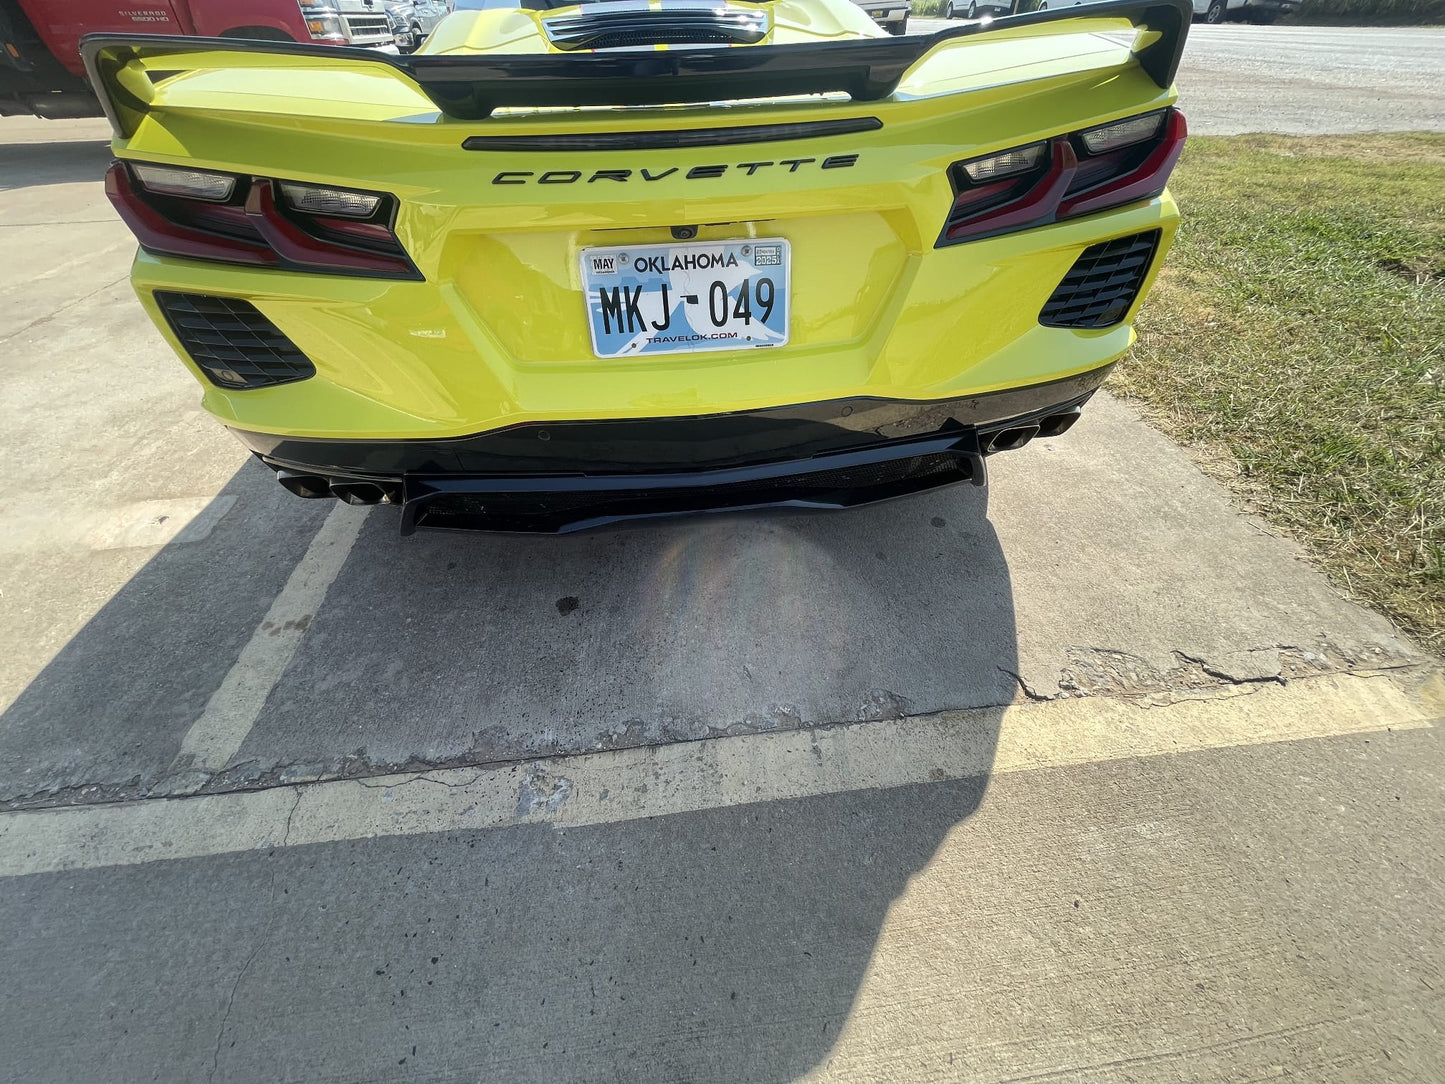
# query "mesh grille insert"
(235, 346)
(669, 26)
(1103, 283)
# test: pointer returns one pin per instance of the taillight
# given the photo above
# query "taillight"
(1075, 174)
(1123, 170)
(199, 184)
(225, 217)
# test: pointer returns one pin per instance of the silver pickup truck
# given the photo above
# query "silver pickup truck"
(412, 20)
(891, 15)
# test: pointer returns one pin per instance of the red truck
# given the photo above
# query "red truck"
(40, 69)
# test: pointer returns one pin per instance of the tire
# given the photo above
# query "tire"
(948, 12)
(1215, 14)
(1043, 7)
(900, 27)
(972, 9)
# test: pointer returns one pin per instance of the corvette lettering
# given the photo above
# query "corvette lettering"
(696, 173)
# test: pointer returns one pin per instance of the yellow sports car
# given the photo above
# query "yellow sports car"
(574, 265)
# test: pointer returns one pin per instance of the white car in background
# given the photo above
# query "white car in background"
(973, 9)
(1254, 11)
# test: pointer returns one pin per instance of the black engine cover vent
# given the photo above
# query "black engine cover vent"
(629, 24)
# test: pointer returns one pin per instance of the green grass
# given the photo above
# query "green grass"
(1297, 338)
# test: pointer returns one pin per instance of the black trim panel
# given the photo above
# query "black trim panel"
(1103, 284)
(645, 445)
(232, 342)
(675, 138)
(553, 504)
(470, 87)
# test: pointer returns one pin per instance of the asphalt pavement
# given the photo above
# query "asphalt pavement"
(1086, 777)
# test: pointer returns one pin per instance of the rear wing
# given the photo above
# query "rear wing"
(470, 87)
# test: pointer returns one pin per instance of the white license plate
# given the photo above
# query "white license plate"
(645, 300)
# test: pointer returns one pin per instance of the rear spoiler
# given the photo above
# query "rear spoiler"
(471, 87)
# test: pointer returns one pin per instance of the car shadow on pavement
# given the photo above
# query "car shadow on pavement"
(499, 648)
(31, 165)
(719, 944)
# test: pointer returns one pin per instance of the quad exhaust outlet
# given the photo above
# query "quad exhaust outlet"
(315, 486)
(1013, 437)
(358, 492)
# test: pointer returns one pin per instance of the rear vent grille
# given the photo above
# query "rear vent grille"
(235, 346)
(613, 29)
(1103, 283)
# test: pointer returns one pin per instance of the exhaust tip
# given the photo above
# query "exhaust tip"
(1012, 439)
(358, 492)
(1056, 425)
(310, 486)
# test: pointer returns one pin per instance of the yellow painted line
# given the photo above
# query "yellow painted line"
(622, 785)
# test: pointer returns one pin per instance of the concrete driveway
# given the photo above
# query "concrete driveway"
(1090, 777)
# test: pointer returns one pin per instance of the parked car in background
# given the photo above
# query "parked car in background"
(40, 67)
(976, 9)
(413, 20)
(891, 15)
(1254, 11)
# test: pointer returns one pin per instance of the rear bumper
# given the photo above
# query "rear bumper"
(567, 476)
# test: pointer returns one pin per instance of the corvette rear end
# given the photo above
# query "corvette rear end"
(572, 266)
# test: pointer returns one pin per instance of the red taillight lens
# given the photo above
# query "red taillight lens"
(195, 229)
(1132, 173)
(296, 245)
(251, 227)
(1031, 200)
(1080, 173)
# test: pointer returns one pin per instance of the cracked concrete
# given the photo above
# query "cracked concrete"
(1113, 676)
(541, 791)
(1097, 671)
(241, 975)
